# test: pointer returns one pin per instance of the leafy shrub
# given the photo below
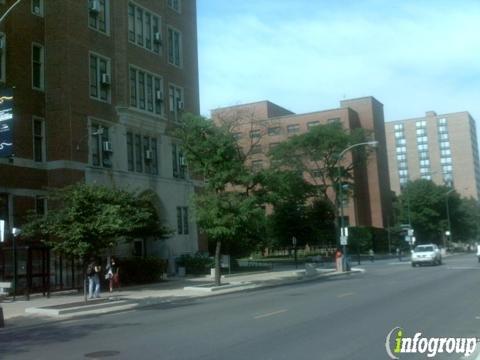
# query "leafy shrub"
(197, 264)
(136, 270)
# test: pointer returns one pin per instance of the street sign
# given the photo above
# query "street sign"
(6, 123)
(407, 238)
(410, 232)
(343, 240)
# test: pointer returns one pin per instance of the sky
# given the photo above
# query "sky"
(307, 55)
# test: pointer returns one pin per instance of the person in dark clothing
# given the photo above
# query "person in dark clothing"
(113, 274)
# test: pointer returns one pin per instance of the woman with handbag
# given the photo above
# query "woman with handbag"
(112, 274)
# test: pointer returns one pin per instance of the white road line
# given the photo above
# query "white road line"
(271, 314)
(345, 295)
(463, 268)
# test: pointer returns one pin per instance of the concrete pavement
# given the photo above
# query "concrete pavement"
(67, 305)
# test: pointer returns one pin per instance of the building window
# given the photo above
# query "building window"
(3, 51)
(401, 149)
(38, 67)
(237, 135)
(255, 134)
(398, 127)
(446, 152)
(146, 91)
(401, 142)
(333, 120)
(422, 140)
(37, 7)
(257, 165)
(98, 15)
(142, 153)
(176, 101)
(421, 132)
(402, 165)
(40, 205)
(422, 147)
(444, 145)
(403, 173)
(39, 150)
(442, 121)
(178, 162)
(399, 135)
(174, 47)
(182, 220)
(401, 157)
(421, 124)
(447, 169)
(444, 136)
(256, 149)
(424, 170)
(101, 146)
(442, 129)
(144, 28)
(425, 163)
(446, 161)
(293, 129)
(174, 5)
(100, 77)
(312, 124)
(274, 130)
(423, 155)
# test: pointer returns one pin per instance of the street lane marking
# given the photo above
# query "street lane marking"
(271, 314)
(463, 268)
(345, 295)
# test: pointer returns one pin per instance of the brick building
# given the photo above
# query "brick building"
(441, 148)
(271, 124)
(98, 85)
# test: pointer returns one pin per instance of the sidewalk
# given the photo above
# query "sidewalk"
(68, 305)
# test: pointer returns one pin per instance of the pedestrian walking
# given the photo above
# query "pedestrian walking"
(399, 254)
(112, 274)
(93, 274)
(371, 254)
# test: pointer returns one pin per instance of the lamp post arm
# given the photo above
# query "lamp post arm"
(9, 9)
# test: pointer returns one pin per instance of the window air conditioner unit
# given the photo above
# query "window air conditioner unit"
(159, 95)
(107, 146)
(157, 37)
(94, 6)
(148, 155)
(105, 79)
(180, 105)
(36, 10)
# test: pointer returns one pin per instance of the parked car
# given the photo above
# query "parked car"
(426, 254)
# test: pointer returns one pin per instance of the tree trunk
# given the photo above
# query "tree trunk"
(217, 264)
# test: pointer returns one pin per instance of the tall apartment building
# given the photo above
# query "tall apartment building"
(98, 85)
(441, 148)
(272, 124)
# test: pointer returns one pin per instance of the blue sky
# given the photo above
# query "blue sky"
(307, 55)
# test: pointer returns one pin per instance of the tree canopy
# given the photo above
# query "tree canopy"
(83, 220)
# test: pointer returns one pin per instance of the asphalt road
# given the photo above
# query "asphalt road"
(345, 317)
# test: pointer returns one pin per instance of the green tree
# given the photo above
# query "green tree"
(424, 203)
(360, 239)
(315, 154)
(228, 207)
(84, 220)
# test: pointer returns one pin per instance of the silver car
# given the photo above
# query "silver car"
(426, 254)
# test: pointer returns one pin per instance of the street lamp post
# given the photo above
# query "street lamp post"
(449, 226)
(340, 199)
